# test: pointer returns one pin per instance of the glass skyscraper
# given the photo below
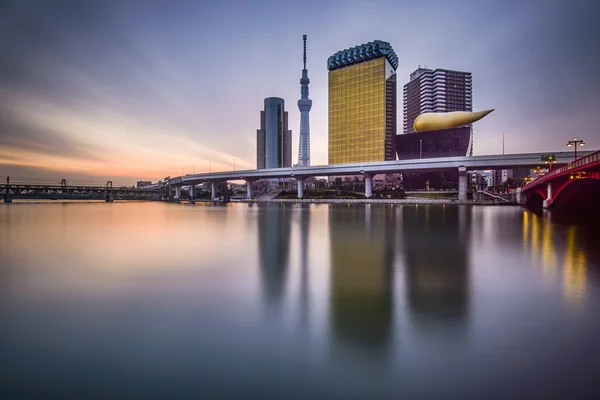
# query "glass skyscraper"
(273, 139)
(362, 103)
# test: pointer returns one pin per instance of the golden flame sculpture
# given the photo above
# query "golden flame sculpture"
(436, 121)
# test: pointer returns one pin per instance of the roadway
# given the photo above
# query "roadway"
(500, 161)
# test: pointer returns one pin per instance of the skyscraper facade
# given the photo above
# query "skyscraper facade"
(362, 103)
(273, 139)
(304, 105)
(439, 90)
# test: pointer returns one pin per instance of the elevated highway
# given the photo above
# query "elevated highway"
(463, 164)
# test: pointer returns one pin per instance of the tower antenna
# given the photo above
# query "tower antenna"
(304, 38)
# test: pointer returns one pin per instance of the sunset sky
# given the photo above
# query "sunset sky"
(128, 90)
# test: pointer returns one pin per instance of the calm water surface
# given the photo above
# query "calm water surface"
(154, 300)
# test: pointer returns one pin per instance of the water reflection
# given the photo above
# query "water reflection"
(361, 273)
(274, 227)
(304, 224)
(436, 241)
(546, 243)
(115, 293)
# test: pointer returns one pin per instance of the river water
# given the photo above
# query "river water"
(156, 300)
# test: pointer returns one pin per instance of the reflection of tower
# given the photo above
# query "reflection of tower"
(274, 241)
(436, 248)
(304, 105)
(361, 276)
(304, 295)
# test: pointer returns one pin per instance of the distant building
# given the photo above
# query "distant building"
(439, 90)
(443, 143)
(500, 176)
(362, 103)
(521, 173)
(273, 139)
(141, 184)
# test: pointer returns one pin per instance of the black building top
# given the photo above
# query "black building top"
(362, 53)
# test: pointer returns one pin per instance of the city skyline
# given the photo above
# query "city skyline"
(141, 91)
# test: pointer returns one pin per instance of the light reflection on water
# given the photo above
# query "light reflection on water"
(155, 300)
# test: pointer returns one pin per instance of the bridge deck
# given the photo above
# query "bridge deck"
(506, 161)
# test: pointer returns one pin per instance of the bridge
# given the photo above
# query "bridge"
(368, 170)
(580, 177)
(10, 191)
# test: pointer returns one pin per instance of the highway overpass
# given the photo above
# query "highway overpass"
(463, 164)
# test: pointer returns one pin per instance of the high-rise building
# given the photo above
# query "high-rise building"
(362, 103)
(304, 105)
(273, 139)
(439, 90)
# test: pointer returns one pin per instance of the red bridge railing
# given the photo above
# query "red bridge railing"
(580, 162)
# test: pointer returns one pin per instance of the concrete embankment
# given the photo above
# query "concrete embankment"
(376, 201)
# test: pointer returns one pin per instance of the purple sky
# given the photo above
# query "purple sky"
(143, 89)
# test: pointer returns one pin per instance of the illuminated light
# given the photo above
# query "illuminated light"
(436, 121)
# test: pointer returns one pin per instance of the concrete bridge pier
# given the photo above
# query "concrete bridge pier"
(462, 184)
(213, 191)
(177, 193)
(368, 186)
(249, 190)
(300, 187)
(519, 196)
(549, 191)
(192, 193)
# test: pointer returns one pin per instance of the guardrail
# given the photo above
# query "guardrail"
(580, 162)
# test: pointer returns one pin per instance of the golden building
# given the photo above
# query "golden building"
(362, 104)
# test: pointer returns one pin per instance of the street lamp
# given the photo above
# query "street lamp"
(538, 171)
(574, 143)
(549, 159)
(420, 148)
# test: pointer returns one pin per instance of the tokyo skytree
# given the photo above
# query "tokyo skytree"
(304, 105)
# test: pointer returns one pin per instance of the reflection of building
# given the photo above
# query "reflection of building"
(441, 90)
(443, 143)
(438, 281)
(273, 139)
(274, 242)
(362, 103)
(361, 276)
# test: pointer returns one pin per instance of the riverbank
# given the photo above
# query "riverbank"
(378, 201)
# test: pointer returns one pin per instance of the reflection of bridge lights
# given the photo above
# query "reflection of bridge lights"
(534, 236)
(574, 269)
(525, 230)
(548, 251)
